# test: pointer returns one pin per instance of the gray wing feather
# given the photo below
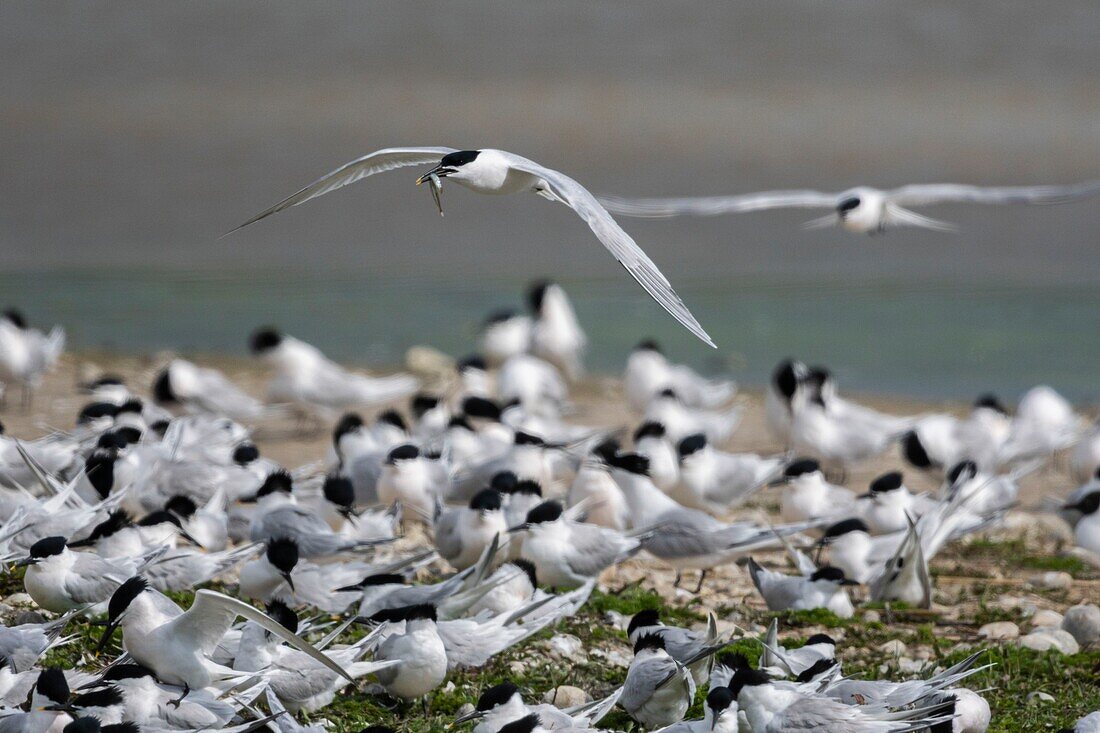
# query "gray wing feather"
(643, 679)
(447, 540)
(617, 241)
(595, 548)
(379, 161)
(932, 193)
(662, 208)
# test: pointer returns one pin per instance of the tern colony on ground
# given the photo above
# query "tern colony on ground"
(474, 518)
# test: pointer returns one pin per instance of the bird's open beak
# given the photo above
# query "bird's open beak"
(474, 715)
(107, 633)
(440, 171)
(26, 561)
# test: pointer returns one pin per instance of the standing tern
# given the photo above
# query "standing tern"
(862, 209)
(500, 172)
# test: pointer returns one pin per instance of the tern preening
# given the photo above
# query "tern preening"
(862, 209)
(500, 172)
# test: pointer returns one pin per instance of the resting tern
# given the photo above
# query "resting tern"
(716, 481)
(680, 421)
(648, 372)
(793, 662)
(888, 504)
(48, 699)
(145, 700)
(504, 334)
(500, 172)
(176, 644)
(863, 210)
(502, 704)
(305, 377)
(683, 537)
(566, 553)
(824, 588)
(1087, 531)
(681, 644)
(203, 389)
(808, 495)
(461, 534)
(60, 580)
(651, 440)
(415, 643)
(658, 690)
(786, 378)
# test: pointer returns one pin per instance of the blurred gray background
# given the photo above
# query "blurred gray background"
(135, 133)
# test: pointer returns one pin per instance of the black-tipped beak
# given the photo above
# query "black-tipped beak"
(185, 536)
(473, 715)
(289, 581)
(60, 708)
(26, 561)
(349, 589)
(440, 171)
(107, 634)
(519, 528)
(849, 581)
(781, 481)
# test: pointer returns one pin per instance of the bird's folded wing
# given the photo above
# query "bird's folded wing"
(932, 193)
(379, 161)
(662, 208)
(617, 241)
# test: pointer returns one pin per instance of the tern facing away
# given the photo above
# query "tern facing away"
(500, 172)
(863, 210)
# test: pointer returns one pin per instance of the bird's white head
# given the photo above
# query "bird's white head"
(861, 210)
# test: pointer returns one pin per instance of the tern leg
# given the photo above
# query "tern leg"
(176, 702)
(702, 577)
(676, 583)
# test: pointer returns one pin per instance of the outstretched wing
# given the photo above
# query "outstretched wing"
(379, 161)
(935, 193)
(664, 208)
(212, 613)
(617, 241)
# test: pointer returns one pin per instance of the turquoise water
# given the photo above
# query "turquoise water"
(942, 340)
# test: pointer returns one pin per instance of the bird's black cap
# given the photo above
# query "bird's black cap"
(96, 410)
(112, 440)
(406, 613)
(102, 698)
(642, 619)
(459, 158)
(459, 421)
(991, 402)
(631, 463)
(820, 639)
(649, 641)
(487, 500)
(129, 434)
(886, 482)
(264, 340)
(648, 345)
(405, 452)
(160, 427)
(1088, 504)
(100, 472)
(349, 422)
(646, 429)
(498, 316)
(734, 660)
(845, 526)
(181, 506)
(847, 204)
(785, 378)
(160, 516)
(162, 389)
(115, 521)
(496, 695)
(801, 466)
(504, 481)
(284, 615)
(536, 293)
(547, 511)
(746, 677)
(719, 699)
(914, 452)
(829, 573)
(529, 570)
(480, 407)
(339, 490)
(422, 402)
(692, 444)
(124, 595)
(282, 553)
(48, 546)
(245, 453)
(527, 486)
(394, 418)
(132, 405)
(16, 318)
(668, 392)
(276, 481)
